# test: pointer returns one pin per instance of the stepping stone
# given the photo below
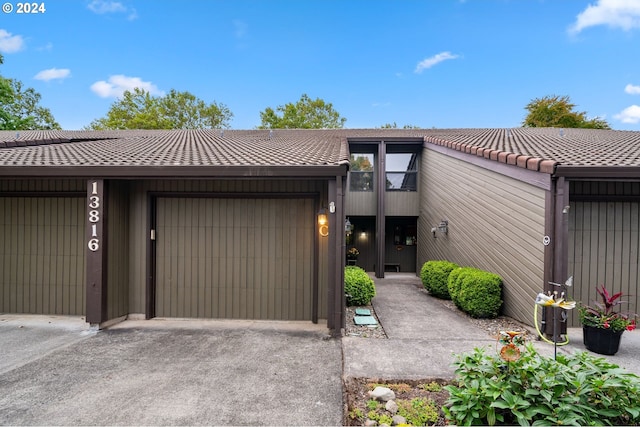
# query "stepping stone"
(365, 320)
(363, 312)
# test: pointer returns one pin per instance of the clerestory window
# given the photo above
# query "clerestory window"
(361, 173)
(402, 171)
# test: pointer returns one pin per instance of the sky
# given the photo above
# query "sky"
(425, 63)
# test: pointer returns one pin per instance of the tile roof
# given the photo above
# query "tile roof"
(541, 149)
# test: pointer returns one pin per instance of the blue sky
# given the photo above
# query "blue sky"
(438, 63)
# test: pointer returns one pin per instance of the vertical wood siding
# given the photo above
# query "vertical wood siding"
(118, 249)
(42, 254)
(139, 226)
(235, 258)
(604, 249)
(496, 223)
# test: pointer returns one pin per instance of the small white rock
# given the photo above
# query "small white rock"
(382, 394)
(398, 419)
(370, 422)
(391, 406)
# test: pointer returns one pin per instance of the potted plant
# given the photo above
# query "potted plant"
(602, 325)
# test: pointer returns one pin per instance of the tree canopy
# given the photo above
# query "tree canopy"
(138, 109)
(558, 111)
(20, 108)
(304, 114)
(395, 126)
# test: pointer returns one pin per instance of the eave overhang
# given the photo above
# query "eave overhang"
(201, 172)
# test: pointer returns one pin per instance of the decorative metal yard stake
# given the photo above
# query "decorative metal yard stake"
(555, 301)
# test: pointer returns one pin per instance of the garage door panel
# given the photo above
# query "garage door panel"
(604, 243)
(244, 258)
(42, 255)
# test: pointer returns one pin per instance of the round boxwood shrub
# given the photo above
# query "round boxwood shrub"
(455, 282)
(480, 294)
(358, 286)
(435, 277)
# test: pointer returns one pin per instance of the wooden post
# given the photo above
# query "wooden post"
(96, 250)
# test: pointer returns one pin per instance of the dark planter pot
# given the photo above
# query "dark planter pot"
(601, 341)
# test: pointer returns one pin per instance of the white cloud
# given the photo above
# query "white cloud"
(629, 115)
(118, 84)
(624, 14)
(10, 43)
(632, 90)
(52, 74)
(102, 7)
(436, 59)
(241, 28)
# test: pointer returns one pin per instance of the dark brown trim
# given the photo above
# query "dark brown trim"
(150, 294)
(624, 173)
(174, 172)
(380, 210)
(537, 179)
(82, 194)
(233, 195)
(340, 250)
(316, 251)
(333, 313)
(96, 251)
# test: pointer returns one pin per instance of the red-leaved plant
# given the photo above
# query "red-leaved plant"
(603, 315)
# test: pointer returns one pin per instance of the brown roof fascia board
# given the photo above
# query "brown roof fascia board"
(175, 171)
(622, 173)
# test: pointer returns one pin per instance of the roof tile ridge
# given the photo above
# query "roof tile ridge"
(536, 164)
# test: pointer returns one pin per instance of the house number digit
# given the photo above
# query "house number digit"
(94, 217)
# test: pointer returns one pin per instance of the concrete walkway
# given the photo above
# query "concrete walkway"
(424, 336)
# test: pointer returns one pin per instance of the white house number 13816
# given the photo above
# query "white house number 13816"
(94, 217)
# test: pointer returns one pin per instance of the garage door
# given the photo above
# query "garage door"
(604, 248)
(42, 255)
(235, 258)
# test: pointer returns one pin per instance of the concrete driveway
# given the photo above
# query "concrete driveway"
(170, 373)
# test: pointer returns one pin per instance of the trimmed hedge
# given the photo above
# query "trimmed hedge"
(358, 286)
(476, 292)
(435, 277)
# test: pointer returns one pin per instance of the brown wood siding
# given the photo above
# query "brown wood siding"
(42, 253)
(496, 223)
(604, 249)
(235, 258)
(118, 249)
(139, 226)
(402, 203)
(360, 203)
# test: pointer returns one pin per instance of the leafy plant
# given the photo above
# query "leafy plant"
(578, 389)
(418, 411)
(356, 414)
(358, 286)
(602, 314)
(432, 386)
(435, 277)
(372, 404)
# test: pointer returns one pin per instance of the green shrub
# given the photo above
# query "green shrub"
(476, 292)
(577, 389)
(480, 294)
(455, 282)
(435, 277)
(358, 286)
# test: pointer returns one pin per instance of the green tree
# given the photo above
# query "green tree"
(304, 114)
(20, 108)
(138, 109)
(395, 126)
(558, 111)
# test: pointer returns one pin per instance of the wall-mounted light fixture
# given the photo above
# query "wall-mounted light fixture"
(363, 234)
(348, 227)
(323, 222)
(443, 227)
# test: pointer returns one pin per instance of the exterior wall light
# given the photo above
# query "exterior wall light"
(323, 222)
(348, 227)
(443, 227)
